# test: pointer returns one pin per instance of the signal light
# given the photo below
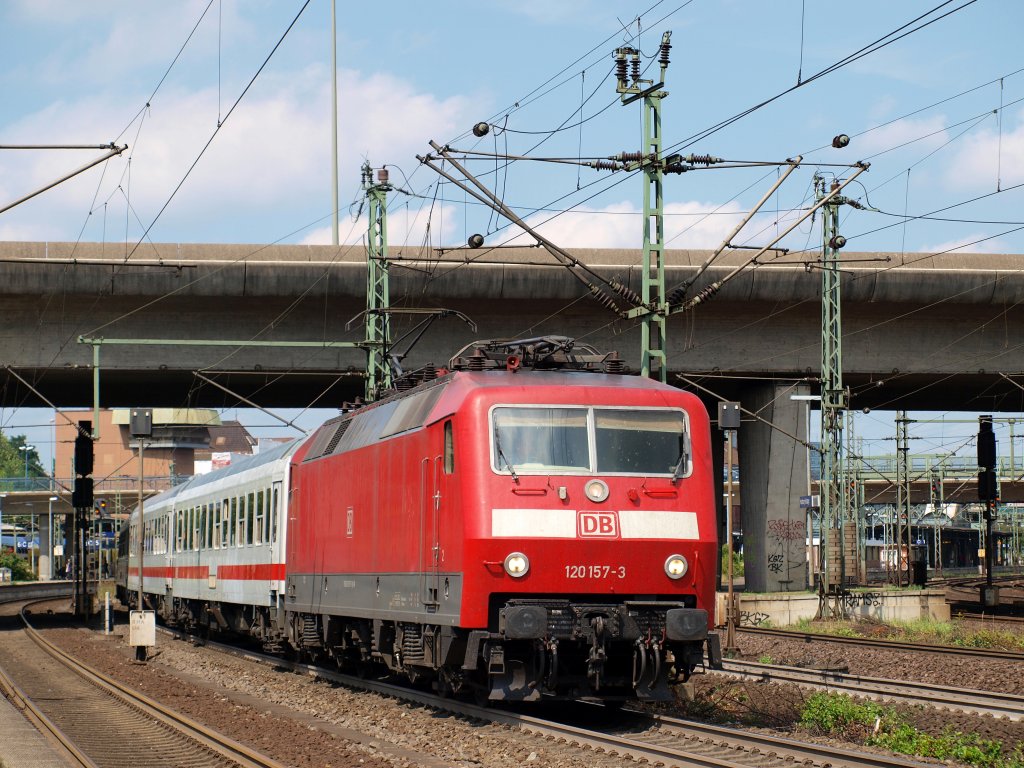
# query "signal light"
(81, 494)
(83, 449)
(841, 141)
(837, 242)
(986, 442)
(481, 129)
(988, 487)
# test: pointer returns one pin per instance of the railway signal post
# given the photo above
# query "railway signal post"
(141, 424)
(988, 492)
(729, 422)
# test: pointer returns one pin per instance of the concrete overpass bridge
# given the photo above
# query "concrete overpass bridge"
(920, 332)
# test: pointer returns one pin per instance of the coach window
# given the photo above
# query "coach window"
(273, 515)
(215, 516)
(232, 520)
(449, 449)
(258, 522)
(268, 514)
(241, 522)
(250, 520)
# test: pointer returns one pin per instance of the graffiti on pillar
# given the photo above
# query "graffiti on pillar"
(783, 535)
(855, 600)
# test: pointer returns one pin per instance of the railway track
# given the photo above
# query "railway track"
(989, 618)
(959, 700)
(628, 734)
(100, 723)
(891, 645)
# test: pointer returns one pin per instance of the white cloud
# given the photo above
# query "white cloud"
(546, 12)
(620, 225)
(926, 134)
(273, 152)
(405, 227)
(966, 244)
(982, 155)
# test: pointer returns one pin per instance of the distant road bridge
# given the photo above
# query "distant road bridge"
(920, 332)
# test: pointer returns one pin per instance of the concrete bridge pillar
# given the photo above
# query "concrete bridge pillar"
(45, 553)
(773, 476)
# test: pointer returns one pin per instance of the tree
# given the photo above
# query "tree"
(18, 565)
(12, 458)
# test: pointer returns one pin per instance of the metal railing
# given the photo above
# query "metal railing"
(101, 486)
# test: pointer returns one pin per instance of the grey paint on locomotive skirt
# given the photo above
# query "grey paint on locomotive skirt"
(398, 597)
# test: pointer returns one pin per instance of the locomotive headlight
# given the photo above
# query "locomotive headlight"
(676, 566)
(517, 564)
(596, 490)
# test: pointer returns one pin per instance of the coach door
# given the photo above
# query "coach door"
(430, 524)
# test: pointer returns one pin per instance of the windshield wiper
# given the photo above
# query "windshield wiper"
(503, 457)
(684, 454)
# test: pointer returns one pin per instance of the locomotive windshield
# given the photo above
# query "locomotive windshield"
(552, 439)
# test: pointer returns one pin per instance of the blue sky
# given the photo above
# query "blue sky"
(938, 113)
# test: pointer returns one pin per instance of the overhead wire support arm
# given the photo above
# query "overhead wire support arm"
(706, 293)
(488, 198)
(250, 403)
(99, 341)
(112, 150)
(680, 293)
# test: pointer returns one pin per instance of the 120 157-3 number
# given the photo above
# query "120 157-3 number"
(595, 571)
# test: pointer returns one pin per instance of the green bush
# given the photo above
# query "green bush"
(19, 567)
(833, 713)
(737, 562)
(836, 714)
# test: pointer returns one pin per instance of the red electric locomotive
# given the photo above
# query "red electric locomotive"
(522, 533)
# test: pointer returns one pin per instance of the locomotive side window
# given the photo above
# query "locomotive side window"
(639, 442)
(449, 449)
(578, 440)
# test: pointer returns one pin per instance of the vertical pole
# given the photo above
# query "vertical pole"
(653, 361)
(334, 122)
(940, 509)
(140, 650)
(833, 403)
(96, 390)
(730, 610)
(902, 495)
(49, 536)
(378, 324)
(630, 87)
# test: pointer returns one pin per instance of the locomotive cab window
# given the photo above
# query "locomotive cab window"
(572, 440)
(449, 449)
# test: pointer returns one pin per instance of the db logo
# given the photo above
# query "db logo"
(598, 524)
